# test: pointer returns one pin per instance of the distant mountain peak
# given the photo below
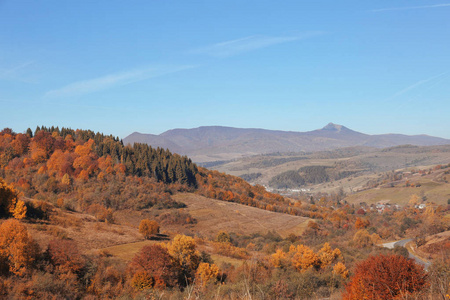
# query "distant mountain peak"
(214, 143)
(334, 127)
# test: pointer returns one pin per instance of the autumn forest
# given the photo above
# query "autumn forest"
(83, 216)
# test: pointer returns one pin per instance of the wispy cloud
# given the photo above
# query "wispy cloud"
(412, 7)
(435, 79)
(415, 91)
(15, 73)
(112, 80)
(246, 44)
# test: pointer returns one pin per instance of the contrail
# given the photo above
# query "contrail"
(412, 7)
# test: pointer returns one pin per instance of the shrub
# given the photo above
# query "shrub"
(153, 266)
(385, 277)
(148, 228)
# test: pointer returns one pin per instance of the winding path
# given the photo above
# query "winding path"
(402, 243)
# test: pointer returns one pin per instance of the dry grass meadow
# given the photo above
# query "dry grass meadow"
(122, 239)
(214, 215)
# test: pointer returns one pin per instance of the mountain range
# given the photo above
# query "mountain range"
(215, 143)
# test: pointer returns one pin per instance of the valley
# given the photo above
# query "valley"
(350, 169)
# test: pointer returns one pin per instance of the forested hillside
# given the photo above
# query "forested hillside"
(81, 168)
(67, 195)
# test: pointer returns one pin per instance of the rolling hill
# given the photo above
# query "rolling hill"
(216, 143)
(347, 168)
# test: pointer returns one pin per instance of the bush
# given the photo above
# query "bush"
(385, 277)
(153, 266)
(148, 228)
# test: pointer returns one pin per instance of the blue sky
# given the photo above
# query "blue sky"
(150, 66)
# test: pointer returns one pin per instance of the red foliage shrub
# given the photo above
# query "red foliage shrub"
(156, 262)
(385, 277)
(64, 254)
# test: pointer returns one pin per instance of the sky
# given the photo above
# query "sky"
(149, 66)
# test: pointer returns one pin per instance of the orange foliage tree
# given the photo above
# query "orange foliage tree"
(385, 277)
(60, 162)
(18, 251)
(86, 159)
(327, 256)
(148, 228)
(279, 259)
(206, 273)
(363, 238)
(20, 211)
(153, 267)
(41, 146)
(303, 257)
(227, 249)
(340, 269)
(360, 223)
(9, 203)
(64, 255)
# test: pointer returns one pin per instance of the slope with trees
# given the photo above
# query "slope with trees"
(74, 184)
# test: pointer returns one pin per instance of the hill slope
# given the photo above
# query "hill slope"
(214, 143)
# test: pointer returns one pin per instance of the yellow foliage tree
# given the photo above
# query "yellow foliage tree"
(148, 228)
(142, 280)
(279, 259)
(17, 249)
(206, 272)
(339, 269)
(66, 180)
(20, 212)
(328, 256)
(9, 203)
(223, 237)
(363, 238)
(187, 258)
(8, 198)
(303, 258)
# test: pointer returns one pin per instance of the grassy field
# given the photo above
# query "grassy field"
(127, 251)
(220, 259)
(89, 234)
(437, 192)
(370, 162)
(214, 215)
(435, 246)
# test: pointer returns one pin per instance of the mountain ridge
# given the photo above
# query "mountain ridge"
(213, 143)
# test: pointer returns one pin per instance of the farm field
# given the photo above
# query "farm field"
(428, 186)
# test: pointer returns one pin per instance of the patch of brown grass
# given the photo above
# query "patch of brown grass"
(89, 234)
(220, 259)
(437, 192)
(127, 251)
(436, 245)
(214, 215)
